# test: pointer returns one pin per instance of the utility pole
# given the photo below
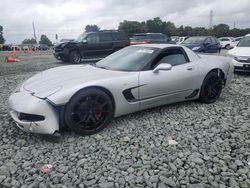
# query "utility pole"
(34, 31)
(211, 22)
(234, 24)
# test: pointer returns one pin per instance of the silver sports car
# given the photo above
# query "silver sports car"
(86, 97)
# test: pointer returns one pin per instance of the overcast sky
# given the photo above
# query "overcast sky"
(68, 18)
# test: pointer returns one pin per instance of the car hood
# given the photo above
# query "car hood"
(240, 51)
(62, 44)
(47, 83)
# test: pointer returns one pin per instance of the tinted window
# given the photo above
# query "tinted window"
(213, 40)
(245, 42)
(81, 37)
(120, 36)
(132, 58)
(139, 37)
(208, 40)
(237, 39)
(156, 36)
(105, 37)
(173, 57)
(92, 38)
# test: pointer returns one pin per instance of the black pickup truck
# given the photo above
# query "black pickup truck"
(91, 45)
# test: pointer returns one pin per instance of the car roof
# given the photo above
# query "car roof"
(160, 46)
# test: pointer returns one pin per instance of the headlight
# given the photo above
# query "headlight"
(236, 58)
(196, 48)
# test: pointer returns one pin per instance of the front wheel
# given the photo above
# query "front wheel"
(211, 88)
(74, 57)
(89, 111)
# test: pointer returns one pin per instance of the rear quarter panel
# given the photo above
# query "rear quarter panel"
(210, 62)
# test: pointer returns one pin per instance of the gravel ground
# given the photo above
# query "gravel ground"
(181, 145)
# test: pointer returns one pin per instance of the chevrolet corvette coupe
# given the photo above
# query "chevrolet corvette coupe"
(86, 97)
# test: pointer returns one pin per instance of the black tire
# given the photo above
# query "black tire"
(88, 111)
(211, 88)
(227, 46)
(74, 57)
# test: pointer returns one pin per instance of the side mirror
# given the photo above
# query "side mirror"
(162, 66)
(84, 41)
(206, 43)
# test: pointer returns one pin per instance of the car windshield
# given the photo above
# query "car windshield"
(245, 42)
(194, 40)
(131, 58)
(81, 37)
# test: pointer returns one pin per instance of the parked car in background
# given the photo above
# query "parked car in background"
(236, 41)
(42, 47)
(91, 45)
(149, 38)
(25, 48)
(6, 47)
(241, 55)
(15, 47)
(226, 42)
(205, 44)
(181, 39)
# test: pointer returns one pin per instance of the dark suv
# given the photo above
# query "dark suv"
(91, 45)
(146, 38)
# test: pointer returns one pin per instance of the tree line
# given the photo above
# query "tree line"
(43, 40)
(156, 25)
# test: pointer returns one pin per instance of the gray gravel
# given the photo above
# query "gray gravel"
(211, 148)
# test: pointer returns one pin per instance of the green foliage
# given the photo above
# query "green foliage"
(29, 41)
(221, 30)
(132, 27)
(2, 40)
(92, 28)
(45, 40)
(156, 25)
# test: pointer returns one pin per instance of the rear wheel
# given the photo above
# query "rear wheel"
(89, 111)
(211, 88)
(74, 57)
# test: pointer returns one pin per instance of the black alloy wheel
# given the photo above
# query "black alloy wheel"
(89, 111)
(211, 88)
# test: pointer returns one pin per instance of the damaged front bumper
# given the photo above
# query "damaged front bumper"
(33, 114)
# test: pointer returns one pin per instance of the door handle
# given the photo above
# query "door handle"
(190, 68)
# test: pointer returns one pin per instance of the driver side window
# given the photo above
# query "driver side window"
(173, 57)
(93, 38)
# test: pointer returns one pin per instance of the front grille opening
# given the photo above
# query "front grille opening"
(30, 117)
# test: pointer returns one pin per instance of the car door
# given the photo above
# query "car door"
(208, 45)
(168, 86)
(106, 43)
(214, 46)
(91, 47)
